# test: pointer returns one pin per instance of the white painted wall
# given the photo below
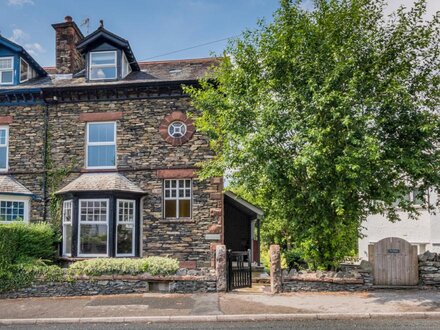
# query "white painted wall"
(423, 232)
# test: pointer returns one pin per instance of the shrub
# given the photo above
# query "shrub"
(15, 276)
(20, 240)
(295, 259)
(162, 266)
(124, 266)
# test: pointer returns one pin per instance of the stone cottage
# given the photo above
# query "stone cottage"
(112, 140)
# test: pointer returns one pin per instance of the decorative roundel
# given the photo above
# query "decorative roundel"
(176, 128)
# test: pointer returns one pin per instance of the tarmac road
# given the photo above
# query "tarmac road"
(385, 324)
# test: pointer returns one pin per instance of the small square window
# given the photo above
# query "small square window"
(177, 198)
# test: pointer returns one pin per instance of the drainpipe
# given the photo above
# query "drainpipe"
(45, 158)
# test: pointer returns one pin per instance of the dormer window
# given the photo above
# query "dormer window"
(26, 72)
(103, 65)
(6, 70)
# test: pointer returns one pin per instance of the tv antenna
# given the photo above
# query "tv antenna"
(86, 23)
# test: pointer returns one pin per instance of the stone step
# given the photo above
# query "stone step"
(396, 287)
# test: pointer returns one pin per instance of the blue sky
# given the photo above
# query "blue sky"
(153, 27)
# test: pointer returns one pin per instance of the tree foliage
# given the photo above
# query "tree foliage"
(327, 116)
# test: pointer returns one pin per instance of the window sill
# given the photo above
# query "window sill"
(177, 220)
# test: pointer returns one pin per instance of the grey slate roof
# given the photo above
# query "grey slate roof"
(101, 182)
(157, 71)
(8, 185)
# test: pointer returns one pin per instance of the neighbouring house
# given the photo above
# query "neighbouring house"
(424, 232)
(112, 140)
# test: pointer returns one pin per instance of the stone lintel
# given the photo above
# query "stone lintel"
(5, 120)
(176, 173)
(100, 116)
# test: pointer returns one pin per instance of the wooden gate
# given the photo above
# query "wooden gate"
(239, 269)
(394, 262)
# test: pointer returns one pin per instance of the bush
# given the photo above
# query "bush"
(124, 266)
(20, 240)
(15, 276)
(295, 259)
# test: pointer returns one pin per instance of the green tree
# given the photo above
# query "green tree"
(328, 115)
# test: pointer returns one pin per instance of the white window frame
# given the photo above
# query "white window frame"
(6, 128)
(134, 228)
(20, 199)
(177, 198)
(125, 66)
(91, 144)
(67, 223)
(103, 65)
(27, 72)
(93, 223)
(3, 70)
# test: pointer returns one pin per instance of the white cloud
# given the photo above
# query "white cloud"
(22, 38)
(34, 48)
(20, 3)
(432, 6)
(19, 36)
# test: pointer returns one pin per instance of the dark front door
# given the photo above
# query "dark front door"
(239, 269)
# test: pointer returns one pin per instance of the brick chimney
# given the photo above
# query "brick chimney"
(68, 59)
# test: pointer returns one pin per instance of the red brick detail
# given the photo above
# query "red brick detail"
(215, 196)
(100, 116)
(5, 120)
(215, 229)
(176, 116)
(188, 264)
(176, 173)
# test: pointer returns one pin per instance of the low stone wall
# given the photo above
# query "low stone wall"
(429, 269)
(313, 282)
(356, 278)
(106, 285)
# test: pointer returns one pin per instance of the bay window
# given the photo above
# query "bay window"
(101, 145)
(67, 227)
(125, 228)
(93, 227)
(6, 70)
(177, 198)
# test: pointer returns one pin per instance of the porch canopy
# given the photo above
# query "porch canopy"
(242, 225)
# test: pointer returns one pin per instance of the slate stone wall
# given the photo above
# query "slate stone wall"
(141, 154)
(26, 151)
(109, 287)
(429, 269)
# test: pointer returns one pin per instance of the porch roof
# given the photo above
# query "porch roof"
(243, 205)
(10, 186)
(101, 182)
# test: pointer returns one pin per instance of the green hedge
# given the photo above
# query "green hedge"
(20, 240)
(125, 266)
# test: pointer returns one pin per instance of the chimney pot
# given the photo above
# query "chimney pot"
(68, 18)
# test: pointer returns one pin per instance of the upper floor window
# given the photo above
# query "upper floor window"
(101, 145)
(6, 70)
(177, 196)
(26, 71)
(4, 148)
(103, 65)
(126, 68)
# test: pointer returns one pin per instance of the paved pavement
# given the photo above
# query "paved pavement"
(215, 306)
(386, 324)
